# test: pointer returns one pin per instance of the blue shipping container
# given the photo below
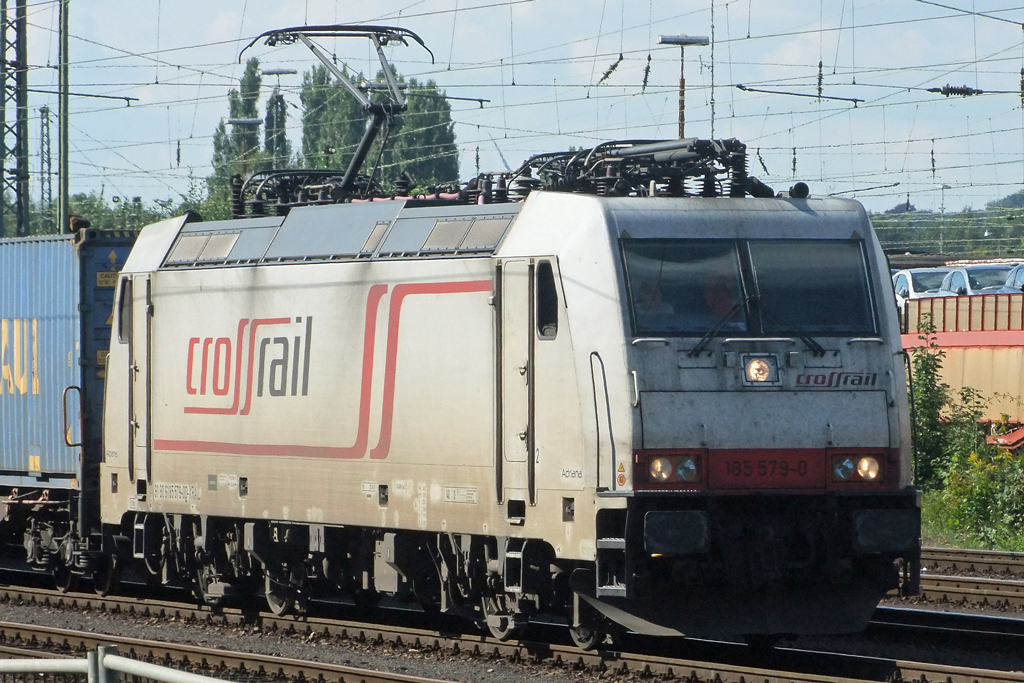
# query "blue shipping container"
(56, 301)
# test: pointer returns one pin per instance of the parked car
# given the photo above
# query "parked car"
(971, 280)
(1014, 283)
(917, 283)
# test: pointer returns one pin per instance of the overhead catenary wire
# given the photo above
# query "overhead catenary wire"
(209, 77)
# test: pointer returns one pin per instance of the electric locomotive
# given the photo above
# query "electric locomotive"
(677, 414)
(609, 386)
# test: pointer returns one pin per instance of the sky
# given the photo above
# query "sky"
(539, 65)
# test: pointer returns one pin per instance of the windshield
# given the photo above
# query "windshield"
(987, 277)
(814, 287)
(928, 280)
(684, 285)
(749, 287)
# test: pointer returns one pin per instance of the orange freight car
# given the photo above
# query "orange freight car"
(983, 340)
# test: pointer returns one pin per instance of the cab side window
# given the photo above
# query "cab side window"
(124, 311)
(547, 302)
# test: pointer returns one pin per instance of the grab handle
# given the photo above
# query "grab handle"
(64, 401)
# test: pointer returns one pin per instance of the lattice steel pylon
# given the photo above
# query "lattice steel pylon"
(14, 114)
(45, 172)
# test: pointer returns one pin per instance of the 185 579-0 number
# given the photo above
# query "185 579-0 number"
(766, 468)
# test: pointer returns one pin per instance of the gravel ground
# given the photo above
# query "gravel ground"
(440, 666)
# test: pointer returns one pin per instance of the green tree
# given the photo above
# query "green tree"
(332, 120)
(1010, 201)
(421, 141)
(424, 142)
(122, 213)
(237, 149)
(275, 141)
(243, 103)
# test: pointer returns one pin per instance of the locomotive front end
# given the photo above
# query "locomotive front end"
(770, 486)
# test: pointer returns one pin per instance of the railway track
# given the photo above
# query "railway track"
(1001, 594)
(743, 665)
(972, 561)
(23, 640)
(951, 575)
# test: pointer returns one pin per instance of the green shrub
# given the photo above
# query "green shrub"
(931, 397)
(983, 499)
(974, 492)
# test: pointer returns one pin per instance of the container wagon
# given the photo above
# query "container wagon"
(56, 303)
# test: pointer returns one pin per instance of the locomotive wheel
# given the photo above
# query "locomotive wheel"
(587, 636)
(592, 629)
(106, 576)
(279, 598)
(65, 580)
(204, 575)
(500, 623)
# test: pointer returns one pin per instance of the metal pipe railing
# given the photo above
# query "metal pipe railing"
(97, 666)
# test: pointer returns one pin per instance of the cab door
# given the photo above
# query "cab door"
(516, 368)
(139, 378)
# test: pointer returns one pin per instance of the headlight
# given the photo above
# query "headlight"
(661, 469)
(843, 468)
(758, 370)
(854, 468)
(867, 468)
(668, 469)
(686, 469)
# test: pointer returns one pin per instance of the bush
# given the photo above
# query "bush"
(931, 397)
(974, 492)
(983, 500)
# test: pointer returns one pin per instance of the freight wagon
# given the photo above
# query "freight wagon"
(56, 304)
(982, 339)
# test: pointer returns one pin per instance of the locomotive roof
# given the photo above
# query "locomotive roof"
(388, 230)
(696, 217)
(370, 230)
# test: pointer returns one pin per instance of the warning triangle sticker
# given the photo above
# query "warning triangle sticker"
(621, 468)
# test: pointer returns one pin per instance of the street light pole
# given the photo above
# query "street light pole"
(942, 214)
(682, 41)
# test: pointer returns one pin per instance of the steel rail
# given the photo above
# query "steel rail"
(600, 660)
(955, 560)
(959, 630)
(996, 593)
(39, 641)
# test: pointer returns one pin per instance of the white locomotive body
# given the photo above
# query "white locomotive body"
(512, 408)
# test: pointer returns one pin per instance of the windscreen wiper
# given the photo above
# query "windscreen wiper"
(816, 348)
(722, 322)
